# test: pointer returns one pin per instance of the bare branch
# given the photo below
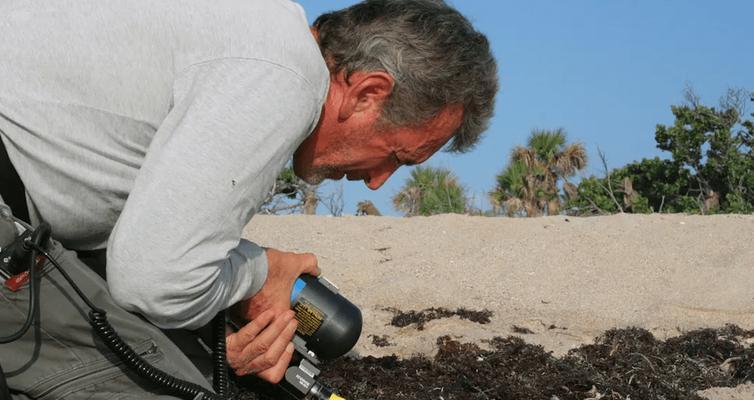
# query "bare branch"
(334, 201)
(596, 207)
(289, 196)
(735, 98)
(689, 94)
(280, 208)
(609, 179)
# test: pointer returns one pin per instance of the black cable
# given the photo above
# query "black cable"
(67, 278)
(220, 365)
(176, 386)
(100, 325)
(39, 236)
(106, 332)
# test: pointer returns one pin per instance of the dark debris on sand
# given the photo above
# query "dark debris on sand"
(381, 341)
(621, 364)
(402, 319)
(521, 330)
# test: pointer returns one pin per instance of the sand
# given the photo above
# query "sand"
(566, 279)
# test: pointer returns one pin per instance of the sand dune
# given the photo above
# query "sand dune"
(565, 279)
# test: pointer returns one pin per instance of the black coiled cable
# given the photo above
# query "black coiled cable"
(178, 387)
(103, 329)
(219, 358)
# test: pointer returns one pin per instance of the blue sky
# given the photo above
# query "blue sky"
(606, 71)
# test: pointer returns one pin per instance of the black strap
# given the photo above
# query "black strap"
(11, 187)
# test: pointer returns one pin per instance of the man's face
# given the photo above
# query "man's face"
(359, 150)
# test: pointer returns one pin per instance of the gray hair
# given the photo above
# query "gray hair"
(433, 52)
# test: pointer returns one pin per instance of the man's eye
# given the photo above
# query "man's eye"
(401, 162)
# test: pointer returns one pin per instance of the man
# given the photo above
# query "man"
(155, 129)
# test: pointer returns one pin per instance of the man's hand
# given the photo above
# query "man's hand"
(263, 346)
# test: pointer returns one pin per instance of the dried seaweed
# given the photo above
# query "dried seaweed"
(621, 364)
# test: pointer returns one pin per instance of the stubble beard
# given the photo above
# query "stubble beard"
(316, 176)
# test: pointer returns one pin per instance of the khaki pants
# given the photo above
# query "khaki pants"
(63, 359)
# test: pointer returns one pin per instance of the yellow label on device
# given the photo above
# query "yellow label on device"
(336, 397)
(309, 318)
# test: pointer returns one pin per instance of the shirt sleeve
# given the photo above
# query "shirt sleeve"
(176, 255)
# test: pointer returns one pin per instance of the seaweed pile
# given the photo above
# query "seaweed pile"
(405, 318)
(621, 364)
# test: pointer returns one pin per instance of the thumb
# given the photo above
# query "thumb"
(309, 264)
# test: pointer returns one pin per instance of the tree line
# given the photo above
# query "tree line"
(707, 167)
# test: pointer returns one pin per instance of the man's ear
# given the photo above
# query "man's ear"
(366, 91)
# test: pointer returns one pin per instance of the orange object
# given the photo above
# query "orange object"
(18, 281)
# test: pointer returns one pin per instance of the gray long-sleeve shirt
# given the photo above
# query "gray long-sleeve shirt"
(155, 128)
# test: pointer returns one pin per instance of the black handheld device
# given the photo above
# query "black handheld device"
(329, 325)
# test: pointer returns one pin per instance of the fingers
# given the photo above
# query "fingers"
(270, 344)
(276, 373)
(262, 345)
(245, 335)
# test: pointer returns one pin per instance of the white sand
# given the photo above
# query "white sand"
(666, 273)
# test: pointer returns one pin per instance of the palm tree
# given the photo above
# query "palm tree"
(530, 181)
(430, 191)
(514, 192)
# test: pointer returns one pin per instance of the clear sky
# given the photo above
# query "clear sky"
(606, 71)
